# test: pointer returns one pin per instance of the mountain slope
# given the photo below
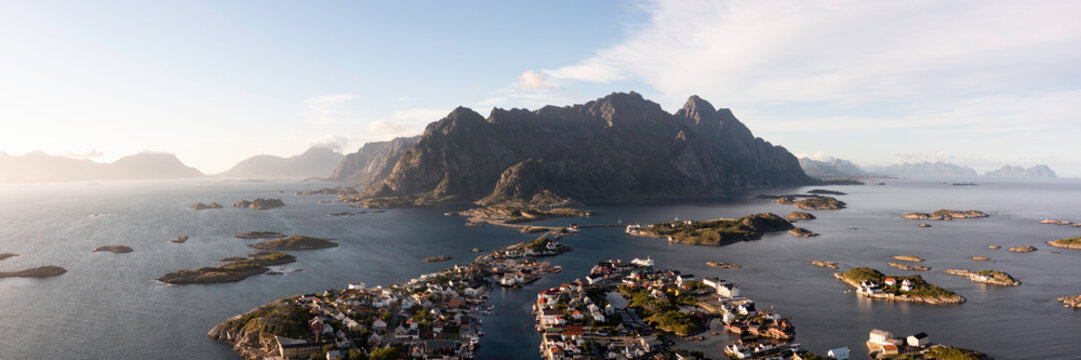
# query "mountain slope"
(373, 162)
(315, 162)
(617, 148)
(1043, 171)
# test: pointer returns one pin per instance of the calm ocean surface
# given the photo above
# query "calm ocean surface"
(108, 306)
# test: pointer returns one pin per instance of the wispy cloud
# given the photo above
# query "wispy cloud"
(532, 80)
(328, 109)
(331, 142)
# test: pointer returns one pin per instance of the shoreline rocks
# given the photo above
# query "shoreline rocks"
(1055, 222)
(909, 267)
(115, 249)
(981, 258)
(259, 204)
(925, 225)
(992, 277)
(201, 206)
(1070, 301)
(946, 215)
(37, 272)
(824, 264)
(910, 258)
(994, 247)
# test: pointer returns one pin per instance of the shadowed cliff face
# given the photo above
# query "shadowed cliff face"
(373, 162)
(617, 148)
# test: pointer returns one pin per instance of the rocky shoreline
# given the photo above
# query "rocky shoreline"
(1022, 249)
(800, 215)
(1070, 243)
(1071, 301)
(909, 258)
(801, 232)
(722, 265)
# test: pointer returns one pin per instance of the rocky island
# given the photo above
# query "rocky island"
(910, 258)
(233, 271)
(820, 203)
(994, 247)
(825, 264)
(801, 232)
(115, 249)
(992, 277)
(512, 214)
(38, 272)
(179, 239)
(946, 215)
(909, 267)
(295, 243)
(201, 206)
(432, 259)
(1022, 249)
(714, 232)
(981, 258)
(259, 235)
(1071, 243)
(1055, 222)
(873, 284)
(259, 204)
(800, 215)
(7, 255)
(722, 265)
(1071, 301)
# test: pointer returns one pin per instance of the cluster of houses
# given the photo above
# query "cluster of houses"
(872, 288)
(433, 316)
(882, 344)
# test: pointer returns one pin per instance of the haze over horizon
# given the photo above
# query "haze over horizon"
(977, 83)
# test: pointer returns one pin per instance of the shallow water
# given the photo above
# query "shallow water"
(108, 306)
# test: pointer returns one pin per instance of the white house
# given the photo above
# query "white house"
(712, 282)
(838, 353)
(880, 336)
(728, 290)
(681, 278)
(920, 339)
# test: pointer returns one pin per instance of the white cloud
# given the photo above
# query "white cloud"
(328, 109)
(532, 80)
(408, 122)
(331, 142)
(818, 156)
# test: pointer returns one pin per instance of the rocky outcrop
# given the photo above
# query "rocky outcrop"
(115, 249)
(38, 272)
(801, 232)
(1070, 243)
(986, 276)
(259, 204)
(909, 267)
(799, 215)
(824, 264)
(314, 163)
(373, 162)
(179, 239)
(1022, 249)
(236, 269)
(722, 265)
(617, 148)
(201, 206)
(946, 215)
(432, 259)
(1055, 222)
(910, 258)
(1038, 171)
(1071, 301)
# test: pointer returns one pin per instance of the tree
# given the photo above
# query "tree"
(387, 353)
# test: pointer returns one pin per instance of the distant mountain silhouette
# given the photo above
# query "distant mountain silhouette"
(835, 168)
(40, 167)
(315, 162)
(924, 169)
(1038, 171)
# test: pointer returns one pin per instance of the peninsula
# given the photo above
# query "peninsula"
(873, 284)
(714, 232)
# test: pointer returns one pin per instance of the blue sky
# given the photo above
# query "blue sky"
(981, 83)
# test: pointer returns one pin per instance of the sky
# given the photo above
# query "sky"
(978, 83)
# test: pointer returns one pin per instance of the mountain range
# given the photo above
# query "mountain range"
(1038, 171)
(40, 167)
(833, 168)
(373, 162)
(924, 169)
(621, 147)
(315, 162)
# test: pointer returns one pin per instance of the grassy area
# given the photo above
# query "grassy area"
(942, 352)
